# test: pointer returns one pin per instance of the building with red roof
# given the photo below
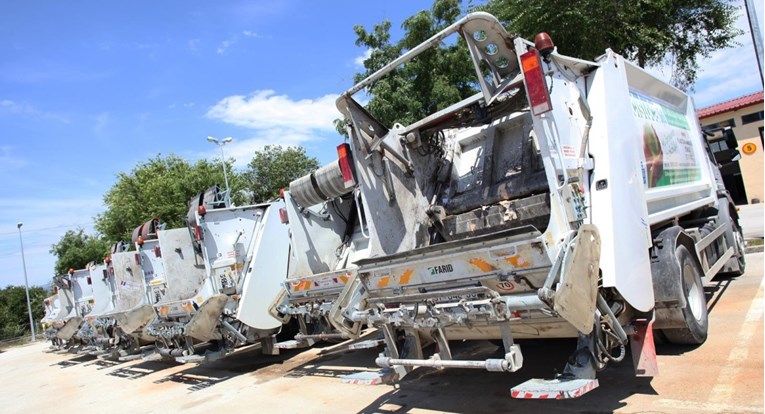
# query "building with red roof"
(743, 178)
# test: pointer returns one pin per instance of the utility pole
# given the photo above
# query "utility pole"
(26, 283)
(754, 29)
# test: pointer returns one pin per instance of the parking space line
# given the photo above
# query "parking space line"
(707, 406)
(726, 381)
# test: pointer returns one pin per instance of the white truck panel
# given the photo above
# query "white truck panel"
(267, 271)
(153, 270)
(103, 289)
(619, 210)
(183, 269)
(128, 279)
(83, 292)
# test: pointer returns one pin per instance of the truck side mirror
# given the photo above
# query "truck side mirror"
(730, 138)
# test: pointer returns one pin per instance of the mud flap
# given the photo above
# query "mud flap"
(203, 323)
(133, 319)
(70, 327)
(355, 294)
(273, 309)
(576, 295)
(644, 349)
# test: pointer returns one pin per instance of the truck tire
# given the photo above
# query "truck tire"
(738, 236)
(695, 311)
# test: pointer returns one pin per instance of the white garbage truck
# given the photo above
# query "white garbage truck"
(137, 281)
(244, 252)
(77, 299)
(567, 199)
(325, 217)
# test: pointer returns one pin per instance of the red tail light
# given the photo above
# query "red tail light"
(536, 87)
(157, 252)
(90, 281)
(283, 215)
(197, 233)
(345, 158)
(137, 259)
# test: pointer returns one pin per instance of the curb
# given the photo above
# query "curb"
(753, 249)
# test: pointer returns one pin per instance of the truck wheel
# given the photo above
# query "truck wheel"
(695, 311)
(738, 236)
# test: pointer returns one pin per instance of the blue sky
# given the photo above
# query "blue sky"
(88, 89)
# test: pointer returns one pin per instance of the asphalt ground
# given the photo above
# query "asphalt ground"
(725, 374)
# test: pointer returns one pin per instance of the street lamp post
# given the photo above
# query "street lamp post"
(220, 144)
(26, 283)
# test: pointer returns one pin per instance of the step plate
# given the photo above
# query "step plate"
(291, 344)
(369, 378)
(556, 389)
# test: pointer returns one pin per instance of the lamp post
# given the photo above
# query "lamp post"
(220, 145)
(26, 282)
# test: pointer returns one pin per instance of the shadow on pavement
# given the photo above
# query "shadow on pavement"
(141, 369)
(74, 361)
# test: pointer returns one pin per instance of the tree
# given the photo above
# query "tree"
(432, 81)
(76, 249)
(14, 319)
(160, 187)
(648, 32)
(274, 167)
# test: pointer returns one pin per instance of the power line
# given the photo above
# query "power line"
(45, 229)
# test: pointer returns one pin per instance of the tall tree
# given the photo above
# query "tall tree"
(14, 319)
(647, 32)
(272, 169)
(75, 249)
(160, 187)
(432, 81)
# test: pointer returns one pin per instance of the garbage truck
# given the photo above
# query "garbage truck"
(566, 199)
(245, 254)
(325, 215)
(137, 281)
(65, 298)
(77, 301)
(104, 294)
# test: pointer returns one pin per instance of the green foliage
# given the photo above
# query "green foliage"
(432, 81)
(14, 319)
(648, 32)
(160, 187)
(272, 169)
(75, 249)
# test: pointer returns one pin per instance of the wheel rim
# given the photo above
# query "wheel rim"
(695, 294)
(740, 245)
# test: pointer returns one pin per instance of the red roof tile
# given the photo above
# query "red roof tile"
(730, 105)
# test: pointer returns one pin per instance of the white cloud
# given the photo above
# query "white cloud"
(101, 122)
(9, 107)
(729, 73)
(274, 119)
(265, 110)
(254, 35)
(359, 60)
(225, 45)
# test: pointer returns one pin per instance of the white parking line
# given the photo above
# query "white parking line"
(726, 381)
(708, 406)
